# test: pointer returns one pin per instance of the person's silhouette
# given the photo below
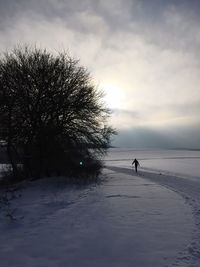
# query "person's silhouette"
(136, 163)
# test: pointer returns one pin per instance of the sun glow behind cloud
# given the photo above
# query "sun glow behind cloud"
(114, 96)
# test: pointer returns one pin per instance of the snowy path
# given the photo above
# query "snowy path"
(126, 221)
(189, 189)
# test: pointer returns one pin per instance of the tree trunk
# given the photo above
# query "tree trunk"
(12, 161)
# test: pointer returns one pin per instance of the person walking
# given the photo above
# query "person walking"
(136, 163)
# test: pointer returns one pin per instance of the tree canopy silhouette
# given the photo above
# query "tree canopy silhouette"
(52, 117)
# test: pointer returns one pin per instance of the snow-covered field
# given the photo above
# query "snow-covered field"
(126, 220)
(180, 162)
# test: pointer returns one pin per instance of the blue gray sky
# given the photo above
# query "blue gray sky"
(144, 54)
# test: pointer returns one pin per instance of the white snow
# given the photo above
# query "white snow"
(145, 220)
(183, 162)
(178, 170)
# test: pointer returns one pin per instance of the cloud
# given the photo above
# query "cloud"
(143, 137)
(143, 54)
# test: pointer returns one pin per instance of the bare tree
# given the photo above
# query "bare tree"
(51, 114)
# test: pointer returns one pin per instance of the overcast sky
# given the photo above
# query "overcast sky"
(145, 55)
